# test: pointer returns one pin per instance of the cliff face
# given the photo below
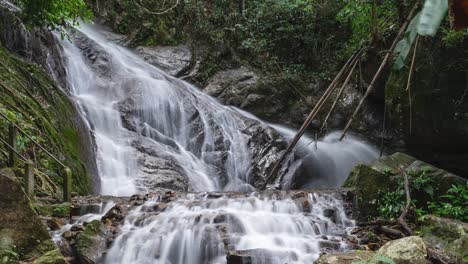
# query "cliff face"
(432, 116)
(34, 100)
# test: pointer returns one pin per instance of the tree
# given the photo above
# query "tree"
(54, 14)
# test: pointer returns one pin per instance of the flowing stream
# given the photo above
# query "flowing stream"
(153, 131)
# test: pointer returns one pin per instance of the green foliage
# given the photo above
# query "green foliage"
(54, 14)
(358, 14)
(9, 256)
(452, 38)
(456, 204)
(391, 204)
(404, 46)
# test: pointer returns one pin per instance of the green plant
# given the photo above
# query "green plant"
(54, 14)
(456, 204)
(9, 256)
(391, 204)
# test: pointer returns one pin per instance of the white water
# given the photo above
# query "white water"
(192, 230)
(186, 232)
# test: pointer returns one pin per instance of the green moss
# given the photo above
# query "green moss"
(368, 183)
(34, 102)
(450, 235)
(51, 257)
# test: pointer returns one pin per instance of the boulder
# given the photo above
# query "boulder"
(345, 258)
(21, 230)
(91, 243)
(173, 60)
(449, 235)
(382, 175)
(233, 87)
(408, 250)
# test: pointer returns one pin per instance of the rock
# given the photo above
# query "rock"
(259, 256)
(439, 139)
(21, 229)
(408, 250)
(51, 257)
(173, 60)
(91, 243)
(68, 235)
(383, 175)
(345, 258)
(449, 235)
(115, 214)
(76, 228)
(54, 223)
(233, 87)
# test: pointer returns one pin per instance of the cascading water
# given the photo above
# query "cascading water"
(197, 229)
(155, 132)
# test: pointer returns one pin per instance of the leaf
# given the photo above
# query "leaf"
(431, 16)
(404, 46)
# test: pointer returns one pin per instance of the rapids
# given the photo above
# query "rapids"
(153, 131)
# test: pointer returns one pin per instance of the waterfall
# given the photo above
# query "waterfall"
(155, 132)
(198, 229)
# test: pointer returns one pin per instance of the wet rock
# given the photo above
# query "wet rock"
(345, 258)
(55, 223)
(330, 213)
(173, 60)
(232, 87)
(76, 228)
(115, 214)
(263, 255)
(329, 245)
(408, 250)
(68, 235)
(91, 243)
(451, 236)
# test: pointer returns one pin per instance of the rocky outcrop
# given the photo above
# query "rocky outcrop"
(173, 60)
(40, 96)
(22, 234)
(382, 176)
(434, 123)
(448, 235)
(408, 250)
(277, 99)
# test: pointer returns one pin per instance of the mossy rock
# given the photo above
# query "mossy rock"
(450, 235)
(51, 257)
(434, 123)
(383, 175)
(91, 242)
(21, 230)
(368, 183)
(33, 101)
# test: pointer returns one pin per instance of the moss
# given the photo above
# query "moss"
(383, 176)
(450, 235)
(90, 240)
(20, 227)
(32, 100)
(51, 257)
(368, 183)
